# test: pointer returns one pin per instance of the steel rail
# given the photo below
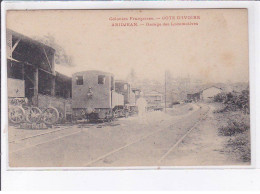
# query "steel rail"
(182, 138)
(127, 145)
(60, 137)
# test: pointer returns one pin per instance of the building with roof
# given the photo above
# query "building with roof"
(206, 94)
(154, 100)
(31, 73)
(31, 69)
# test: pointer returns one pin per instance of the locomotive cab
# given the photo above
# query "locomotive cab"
(93, 95)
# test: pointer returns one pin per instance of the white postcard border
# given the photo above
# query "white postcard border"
(67, 178)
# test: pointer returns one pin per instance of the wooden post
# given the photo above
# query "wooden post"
(22, 70)
(53, 85)
(35, 86)
(36, 81)
(53, 75)
(65, 110)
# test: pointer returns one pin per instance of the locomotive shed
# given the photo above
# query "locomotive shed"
(31, 75)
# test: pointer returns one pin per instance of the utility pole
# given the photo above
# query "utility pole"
(165, 90)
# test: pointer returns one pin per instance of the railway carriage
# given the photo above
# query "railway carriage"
(124, 88)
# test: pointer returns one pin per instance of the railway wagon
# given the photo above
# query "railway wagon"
(124, 88)
(94, 96)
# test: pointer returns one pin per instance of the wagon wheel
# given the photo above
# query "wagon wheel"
(50, 115)
(126, 114)
(33, 114)
(114, 114)
(61, 117)
(16, 114)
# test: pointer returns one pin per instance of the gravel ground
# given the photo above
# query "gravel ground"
(80, 144)
(125, 142)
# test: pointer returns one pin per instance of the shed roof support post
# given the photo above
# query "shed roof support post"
(35, 86)
(36, 81)
(53, 85)
(48, 61)
(15, 45)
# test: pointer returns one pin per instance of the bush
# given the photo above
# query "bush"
(235, 124)
(240, 145)
(174, 103)
(220, 97)
(238, 131)
(234, 101)
(233, 128)
(238, 124)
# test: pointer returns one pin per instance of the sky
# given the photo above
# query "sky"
(216, 50)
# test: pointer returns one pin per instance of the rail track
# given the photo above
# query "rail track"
(37, 135)
(150, 135)
(183, 137)
(53, 132)
(57, 134)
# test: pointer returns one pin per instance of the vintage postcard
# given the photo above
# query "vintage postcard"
(128, 88)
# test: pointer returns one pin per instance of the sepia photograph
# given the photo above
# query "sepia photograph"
(128, 88)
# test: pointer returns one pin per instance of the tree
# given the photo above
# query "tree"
(61, 56)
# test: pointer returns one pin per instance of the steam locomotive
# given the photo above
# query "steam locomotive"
(96, 96)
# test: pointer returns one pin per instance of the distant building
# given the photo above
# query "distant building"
(206, 94)
(154, 99)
